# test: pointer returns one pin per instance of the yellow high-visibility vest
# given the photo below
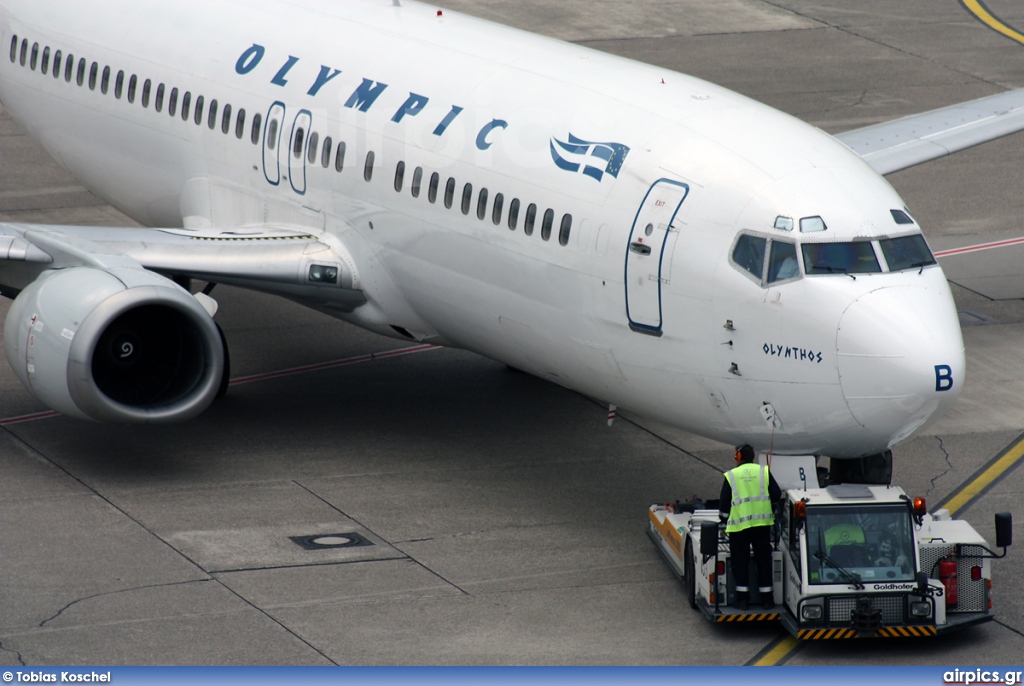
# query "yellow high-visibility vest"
(751, 505)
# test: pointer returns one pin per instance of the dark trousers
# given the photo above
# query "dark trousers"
(740, 542)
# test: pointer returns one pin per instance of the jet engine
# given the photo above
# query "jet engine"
(115, 345)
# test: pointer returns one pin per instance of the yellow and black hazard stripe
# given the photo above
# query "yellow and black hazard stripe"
(761, 617)
(906, 631)
(887, 632)
(816, 634)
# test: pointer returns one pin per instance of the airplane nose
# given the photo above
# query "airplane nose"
(901, 358)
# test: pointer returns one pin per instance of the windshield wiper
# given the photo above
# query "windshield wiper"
(845, 573)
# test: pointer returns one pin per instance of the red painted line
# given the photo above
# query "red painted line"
(336, 363)
(29, 417)
(981, 246)
(264, 377)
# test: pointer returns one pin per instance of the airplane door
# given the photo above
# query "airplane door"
(646, 260)
(272, 144)
(297, 151)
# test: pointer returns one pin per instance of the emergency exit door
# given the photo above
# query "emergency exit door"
(647, 259)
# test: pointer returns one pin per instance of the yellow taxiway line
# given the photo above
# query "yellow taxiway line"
(982, 13)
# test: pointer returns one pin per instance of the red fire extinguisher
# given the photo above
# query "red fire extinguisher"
(948, 577)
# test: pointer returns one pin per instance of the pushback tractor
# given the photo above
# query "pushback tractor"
(853, 559)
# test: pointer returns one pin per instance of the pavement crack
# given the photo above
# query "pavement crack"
(109, 593)
(949, 466)
(1009, 628)
(17, 655)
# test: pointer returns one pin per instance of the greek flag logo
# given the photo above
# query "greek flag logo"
(587, 157)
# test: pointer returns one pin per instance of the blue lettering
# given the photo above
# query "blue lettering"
(767, 350)
(819, 358)
(250, 59)
(481, 139)
(367, 94)
(788, 352)
(413, 106)
(447, 121)
(324, 77)
(280, 79)
(943, 378)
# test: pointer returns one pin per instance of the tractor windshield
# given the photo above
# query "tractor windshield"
(873, 543)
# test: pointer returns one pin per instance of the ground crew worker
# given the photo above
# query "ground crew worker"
(748, 492)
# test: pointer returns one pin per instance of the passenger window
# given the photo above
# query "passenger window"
(325, 157)
(499, 206)
(399, 177)
(147, 92)
(417, 182)
(58, 58)
(467, 197)
(172, 104)
(186, 105)
(531, 219)
(257, 128)
(314, 147)
(24, 52)
(80, 78)
(299, 142)
(14, 49)
(435, 181)
(840, 258)
(105, 81)
(35, 57)
(749, 255)
(94, 74)
(159, 104)
(782, 264)
(240, 124)
(272, 134)
(69, 69)
(133, 83)
(449, 193)
(368, 167)
(481, 204)
(565, 230)
(45, 66)
(339, 159)
(211, 119)
(513, 214)
(119, 85)
(545, 228)
(225, 121)
(200, 104)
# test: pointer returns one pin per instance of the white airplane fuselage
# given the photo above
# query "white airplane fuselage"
(629, 290)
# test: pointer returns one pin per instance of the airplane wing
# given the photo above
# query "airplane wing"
(280, 260)
(891, 146)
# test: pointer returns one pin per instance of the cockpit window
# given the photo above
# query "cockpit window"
(782, 263)
(906, 252)
(840, 258)
(812, 225)
(901, 217)
(749, 254)
(784, 223)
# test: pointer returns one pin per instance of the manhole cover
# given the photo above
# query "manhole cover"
(325, 541)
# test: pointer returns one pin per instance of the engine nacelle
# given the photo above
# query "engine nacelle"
(120, 345)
